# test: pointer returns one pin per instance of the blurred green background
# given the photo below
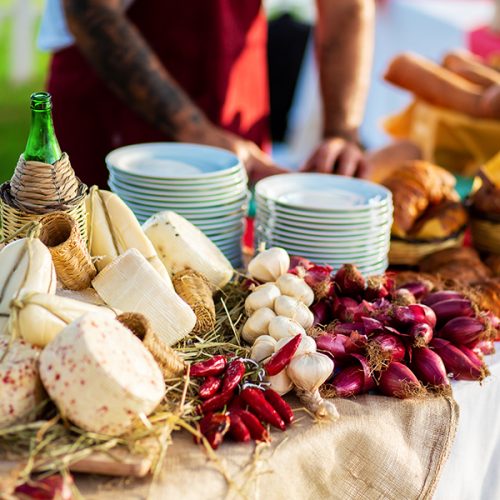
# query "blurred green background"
(14, 98)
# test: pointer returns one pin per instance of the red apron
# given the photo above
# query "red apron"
(215, 49)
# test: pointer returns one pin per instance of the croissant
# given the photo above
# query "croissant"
(440, 221)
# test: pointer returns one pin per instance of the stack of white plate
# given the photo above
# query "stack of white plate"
(328, 219)
(206, 185)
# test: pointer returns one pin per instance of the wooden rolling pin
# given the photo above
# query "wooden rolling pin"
(441, 87)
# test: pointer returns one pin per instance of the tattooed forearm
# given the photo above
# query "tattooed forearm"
(121, 56)
(344, 44)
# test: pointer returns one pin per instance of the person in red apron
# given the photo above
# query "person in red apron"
(195, 71)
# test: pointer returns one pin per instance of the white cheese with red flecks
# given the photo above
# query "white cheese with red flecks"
(20, 386)
(100, 376)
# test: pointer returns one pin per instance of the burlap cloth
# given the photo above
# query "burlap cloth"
(381, 448)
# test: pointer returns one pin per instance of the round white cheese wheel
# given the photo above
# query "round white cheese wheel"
(100, 376)
(20, 386)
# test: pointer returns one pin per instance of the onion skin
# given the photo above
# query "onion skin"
(421, 333)
(429, 367)
(368, 382)
(483, 347)
(457, 364)
(345, 328)
(348, 382)
(403, 297)
(435, 297)
(349, 281)
(371, 325)
(296, 261)
(321, 311)
(344, 308)
(462, 330)
(452, 308)
(384, 348)
(378, 287)
(319, 278)
(399, 381)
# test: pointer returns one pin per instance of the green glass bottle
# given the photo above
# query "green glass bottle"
(42, 142)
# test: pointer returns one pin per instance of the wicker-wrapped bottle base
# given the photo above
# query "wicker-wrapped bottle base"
(410, 253)
(171, 364)
(13, 219)
(74, 268)
(486, 235)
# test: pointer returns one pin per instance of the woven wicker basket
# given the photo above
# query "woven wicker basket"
(486, 234)
(71, 258)
(170, 363)
(409, 253)
(13, 220)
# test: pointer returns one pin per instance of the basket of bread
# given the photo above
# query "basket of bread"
(428, 214)
(485, 208)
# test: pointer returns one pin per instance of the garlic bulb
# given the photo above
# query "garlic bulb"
(293, 286)
(262, 348)
(307, 345)
(257, 324)
(269, 265)
(262, 296)
(294, 309)
(282, 327)
(310, 370)
(281, 383)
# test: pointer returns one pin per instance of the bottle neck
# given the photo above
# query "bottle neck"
(42, 143)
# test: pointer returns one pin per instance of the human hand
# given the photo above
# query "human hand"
(258, 164)
(338, 156)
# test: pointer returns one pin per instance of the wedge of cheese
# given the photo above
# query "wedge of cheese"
(100, 376)
(113, 229)
(181, 245)
(39, 317)
(20, 385)
(130, 283)
(25, 266)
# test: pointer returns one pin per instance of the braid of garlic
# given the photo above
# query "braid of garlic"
(322, 408)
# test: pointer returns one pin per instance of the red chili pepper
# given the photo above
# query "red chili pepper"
(281, 359)
(238, 430)
(209, 387)
(280, 405)
(237, 403)
(256, 429)
(234, 373)
(214, 426)
(215, 403)
(258, 404)
(212, 366)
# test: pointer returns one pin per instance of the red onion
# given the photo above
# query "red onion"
(348, 382)
(462, 330)
(333, 344)
(378, 287)
(344, 308)
(429, 367)
(349, 281)
(399, 381)
(457, 364)
(371, 325)
(319, 278)
(48, 488)
(321, 311)
(474, 358)
(452, 308)
(382, 310)
(435, 297)
(382, 349)
(413, 314)
(483, 347)
(418, 289)
(368, 382)
(296, 261)
(345, 328)
(403, 297)
(421, 333)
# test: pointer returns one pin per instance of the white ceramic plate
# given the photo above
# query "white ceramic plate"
(166, 160)
(322, 192)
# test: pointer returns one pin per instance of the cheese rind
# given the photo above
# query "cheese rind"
(25, 266)
(130, 284)
(181, 245)
(20, 385)
(39, 317)
(114, 229)
(100, 376)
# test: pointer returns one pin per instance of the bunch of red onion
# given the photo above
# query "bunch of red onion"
(382, 338)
